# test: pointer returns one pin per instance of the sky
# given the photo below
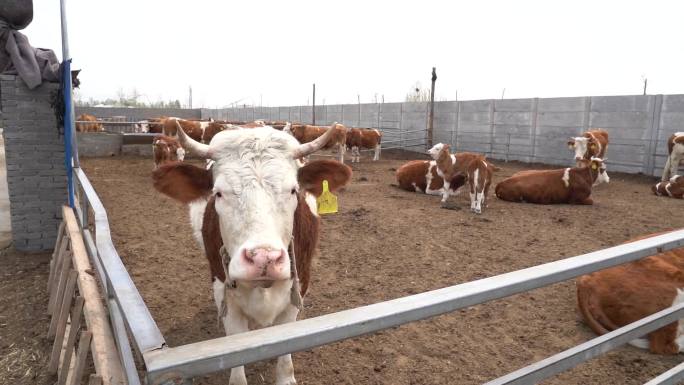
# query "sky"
(271, 52)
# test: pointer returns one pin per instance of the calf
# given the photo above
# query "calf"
(92, 126)
(305, 133)
(615, 297)
(252, 212)
(358, 138)
(592, 144)
(673, 188)
(475, 168)
(675, 150)
(166, 149)
(570, 185)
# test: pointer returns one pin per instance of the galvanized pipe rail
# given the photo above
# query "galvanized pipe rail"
(188, 361)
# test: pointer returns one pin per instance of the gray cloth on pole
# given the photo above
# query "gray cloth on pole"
(17, 56)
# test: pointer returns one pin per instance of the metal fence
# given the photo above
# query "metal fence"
(166, 365)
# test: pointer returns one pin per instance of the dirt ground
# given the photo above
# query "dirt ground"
(387, 243)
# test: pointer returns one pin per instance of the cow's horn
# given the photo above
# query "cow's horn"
(311, 147)
(197, 148)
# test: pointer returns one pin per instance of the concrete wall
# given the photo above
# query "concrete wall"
(529, 130)
(135, 114)
(35, 163)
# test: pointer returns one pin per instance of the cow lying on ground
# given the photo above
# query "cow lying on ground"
(88, 127)
(421, 176)
(615, 297)
(305, 133)
(166, 149)
(592, 144)
(673, 188)
(254, 215)
(569, 185)
(475, 167)
(362, 138)
(675, 150)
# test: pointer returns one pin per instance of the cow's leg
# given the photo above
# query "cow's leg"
(667, 169)
(343, 149)
(234, 322)
(284, 367)
(377, 152)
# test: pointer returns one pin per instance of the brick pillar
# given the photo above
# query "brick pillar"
(35, 163)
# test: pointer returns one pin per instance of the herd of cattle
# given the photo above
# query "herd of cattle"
(253, 213)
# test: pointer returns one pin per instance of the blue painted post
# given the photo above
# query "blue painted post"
(70, 148)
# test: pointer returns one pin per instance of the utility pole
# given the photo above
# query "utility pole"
(645, 84)
(313, 109)
(190, 96)
(503, 92)
(432, 108)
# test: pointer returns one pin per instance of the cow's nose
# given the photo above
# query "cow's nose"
(262, 256)
(578, 158)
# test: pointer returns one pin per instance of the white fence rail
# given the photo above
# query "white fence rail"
(167, 365)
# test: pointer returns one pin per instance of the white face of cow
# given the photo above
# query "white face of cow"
(142, 126)
(434, 151)
(255, 185)
(580, 145)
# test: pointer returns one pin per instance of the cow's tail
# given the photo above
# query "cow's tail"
(593, 315)
(493, 167)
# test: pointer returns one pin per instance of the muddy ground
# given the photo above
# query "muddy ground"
(387, 243)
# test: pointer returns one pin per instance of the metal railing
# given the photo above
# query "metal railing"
(166, 365)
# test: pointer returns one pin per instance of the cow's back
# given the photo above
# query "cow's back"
(411, 175)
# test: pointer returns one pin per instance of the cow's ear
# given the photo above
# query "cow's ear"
(571, 143)
(312, 175)
(182, 182)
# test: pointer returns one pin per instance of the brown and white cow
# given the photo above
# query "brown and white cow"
(673, 188)
(675, 150)
(475, 167)
(193, 128)
(569, 185)
(254, 215)
(305, 133)
(363, 138)
(421, 176)
(617, 296)
(166, 149)
(88, 127)
(592, 144)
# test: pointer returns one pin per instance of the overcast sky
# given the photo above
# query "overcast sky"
(270, 52)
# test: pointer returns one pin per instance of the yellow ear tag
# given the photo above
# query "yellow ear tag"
(593, 146)
(594, 166)
(327, 202)
(571, 146)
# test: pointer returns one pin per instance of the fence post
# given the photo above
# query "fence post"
(508, 146)
(458, 124)
(652, 149)
(401, 126)
(491, 127)
(535, 117)
(586, 117)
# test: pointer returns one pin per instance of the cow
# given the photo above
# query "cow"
(475, 167)
(254, 216)
(166, 149)
(362, 138)
(569, 185)
(305, 133)
(194, 129)
(675, 150)
(421, 176)
(592, 144)
(88, 127)
(673, 188)
(617, 296)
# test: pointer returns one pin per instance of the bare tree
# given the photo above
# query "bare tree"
(418, 93)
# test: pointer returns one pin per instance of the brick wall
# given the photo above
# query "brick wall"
(35, 163)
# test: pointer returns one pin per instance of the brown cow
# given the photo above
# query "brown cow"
(363, 138)
(673, 188)
(569, 185)
(88, 127)
(305, 133)
(254, 216)
(166, 149)
(592, 144)
(615, 297)
(194, 129)
(675, 150)
(421, 176)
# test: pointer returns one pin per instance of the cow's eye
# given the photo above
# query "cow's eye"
(218, 194)
(293, 191)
